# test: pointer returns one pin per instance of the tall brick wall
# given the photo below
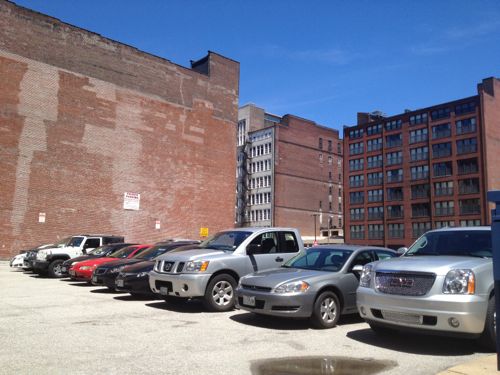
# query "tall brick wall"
(84, 119)
(301, 178)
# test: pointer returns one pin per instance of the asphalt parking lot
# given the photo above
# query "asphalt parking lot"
(53, 326)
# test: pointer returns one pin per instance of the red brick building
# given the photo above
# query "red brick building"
(290, 174)
(422, 169)
(85, 119)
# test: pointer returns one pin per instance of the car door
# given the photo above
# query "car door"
(361, 258)
(267, 256)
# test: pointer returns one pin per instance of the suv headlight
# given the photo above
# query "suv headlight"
(366, 276)
(87, 268)
(459, 282)
(197, 266)
(293, 287)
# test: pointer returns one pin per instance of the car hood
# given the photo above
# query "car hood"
(440, 265)
(192, 254)
(95, 261)
(120, 262)
(274, 277)
(82, 258)
(144, 266)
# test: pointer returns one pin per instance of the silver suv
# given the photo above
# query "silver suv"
(442, 284)
(212, 269)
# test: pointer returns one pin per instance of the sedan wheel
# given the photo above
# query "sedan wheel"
(326, 311)
(219, 295)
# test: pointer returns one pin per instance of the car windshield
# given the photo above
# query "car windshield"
(154, 251)
(474, 243)
(226, 241)
(101, 250)
(63, 242)
(320, 259)
(75, 241)
(123, 253)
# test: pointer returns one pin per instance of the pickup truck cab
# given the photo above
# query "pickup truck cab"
(50, 260)
(211, 270)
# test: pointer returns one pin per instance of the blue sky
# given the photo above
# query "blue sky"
(321, 60)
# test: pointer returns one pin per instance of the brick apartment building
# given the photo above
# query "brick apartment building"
(422, 169)
(85, 119)
(289, 174)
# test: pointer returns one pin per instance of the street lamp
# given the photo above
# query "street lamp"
(314, 218)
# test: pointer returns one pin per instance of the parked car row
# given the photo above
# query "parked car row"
(442, 284)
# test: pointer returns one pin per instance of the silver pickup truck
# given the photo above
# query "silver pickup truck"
(212, 269)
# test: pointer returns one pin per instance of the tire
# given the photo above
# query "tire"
(219, 295)
(326, 310)
(488, 338)
(55, 268)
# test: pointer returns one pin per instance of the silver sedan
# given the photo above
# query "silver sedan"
(320, 284)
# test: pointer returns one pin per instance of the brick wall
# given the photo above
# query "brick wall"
(301, 178)
(84, 119)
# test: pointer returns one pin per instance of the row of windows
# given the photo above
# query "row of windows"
(441, 208)
(264, 149)
(260, 198)
(260, 215)
(259, 182)
(260, 166)
(376, 231)
(330, 145)
(260, 136)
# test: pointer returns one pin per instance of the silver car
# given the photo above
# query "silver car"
(320, 284)
(442, 284)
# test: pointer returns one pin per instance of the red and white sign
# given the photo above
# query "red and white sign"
(131, 201)
(157, 224)
(41, 217)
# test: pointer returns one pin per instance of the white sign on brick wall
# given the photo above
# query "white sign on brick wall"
(131, 201)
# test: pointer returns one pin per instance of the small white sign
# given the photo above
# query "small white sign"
(131, 201)
(41, 217)
(157, 224)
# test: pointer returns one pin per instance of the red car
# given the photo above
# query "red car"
(83, 270)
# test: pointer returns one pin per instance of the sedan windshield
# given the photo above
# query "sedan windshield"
(123, 253)
(62, 242)
(474, 243)
(154, 251)
(320, 259)
(100, 250)
(226, 241)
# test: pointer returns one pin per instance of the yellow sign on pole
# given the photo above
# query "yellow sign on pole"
(203, 232)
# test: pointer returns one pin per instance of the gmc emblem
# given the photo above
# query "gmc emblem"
(401, 282)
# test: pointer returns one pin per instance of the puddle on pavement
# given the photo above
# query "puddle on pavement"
(320, 366)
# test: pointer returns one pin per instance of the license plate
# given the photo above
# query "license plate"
(400, 317)
(164, 291)
(119, 283)
(72, 272)
(249, 301)
(94, 279)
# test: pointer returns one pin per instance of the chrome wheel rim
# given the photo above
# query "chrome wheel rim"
(222, 293)
(328, 310)
(57, 270)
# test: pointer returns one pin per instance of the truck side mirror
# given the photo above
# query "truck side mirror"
(358, 268)
(401, 250)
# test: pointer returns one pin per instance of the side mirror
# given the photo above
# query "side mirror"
(401, 250)
(358, 268)
(253, 249)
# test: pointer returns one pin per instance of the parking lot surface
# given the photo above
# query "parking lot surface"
(53, 326)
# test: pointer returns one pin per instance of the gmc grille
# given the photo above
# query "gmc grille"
(404, 283)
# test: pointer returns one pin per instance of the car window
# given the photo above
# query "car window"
(226, 241)
(321, 259)
(266, 242)
(75, 241)
(362, 258)
(124, 252)
(288, 243)
(92, 243)
(381, 254)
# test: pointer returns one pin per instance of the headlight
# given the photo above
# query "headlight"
(142, 274)
(116, 269)
(197, 266)
(86, 268)
(293, 287)
(366, 276)
(459, 282)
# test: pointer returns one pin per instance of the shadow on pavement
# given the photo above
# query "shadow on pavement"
(105, 291)
(416, 343)
(137, 297)
(182, 306)
(79, 283)
(271, 322)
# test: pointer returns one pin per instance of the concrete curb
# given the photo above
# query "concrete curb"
(482, 366)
